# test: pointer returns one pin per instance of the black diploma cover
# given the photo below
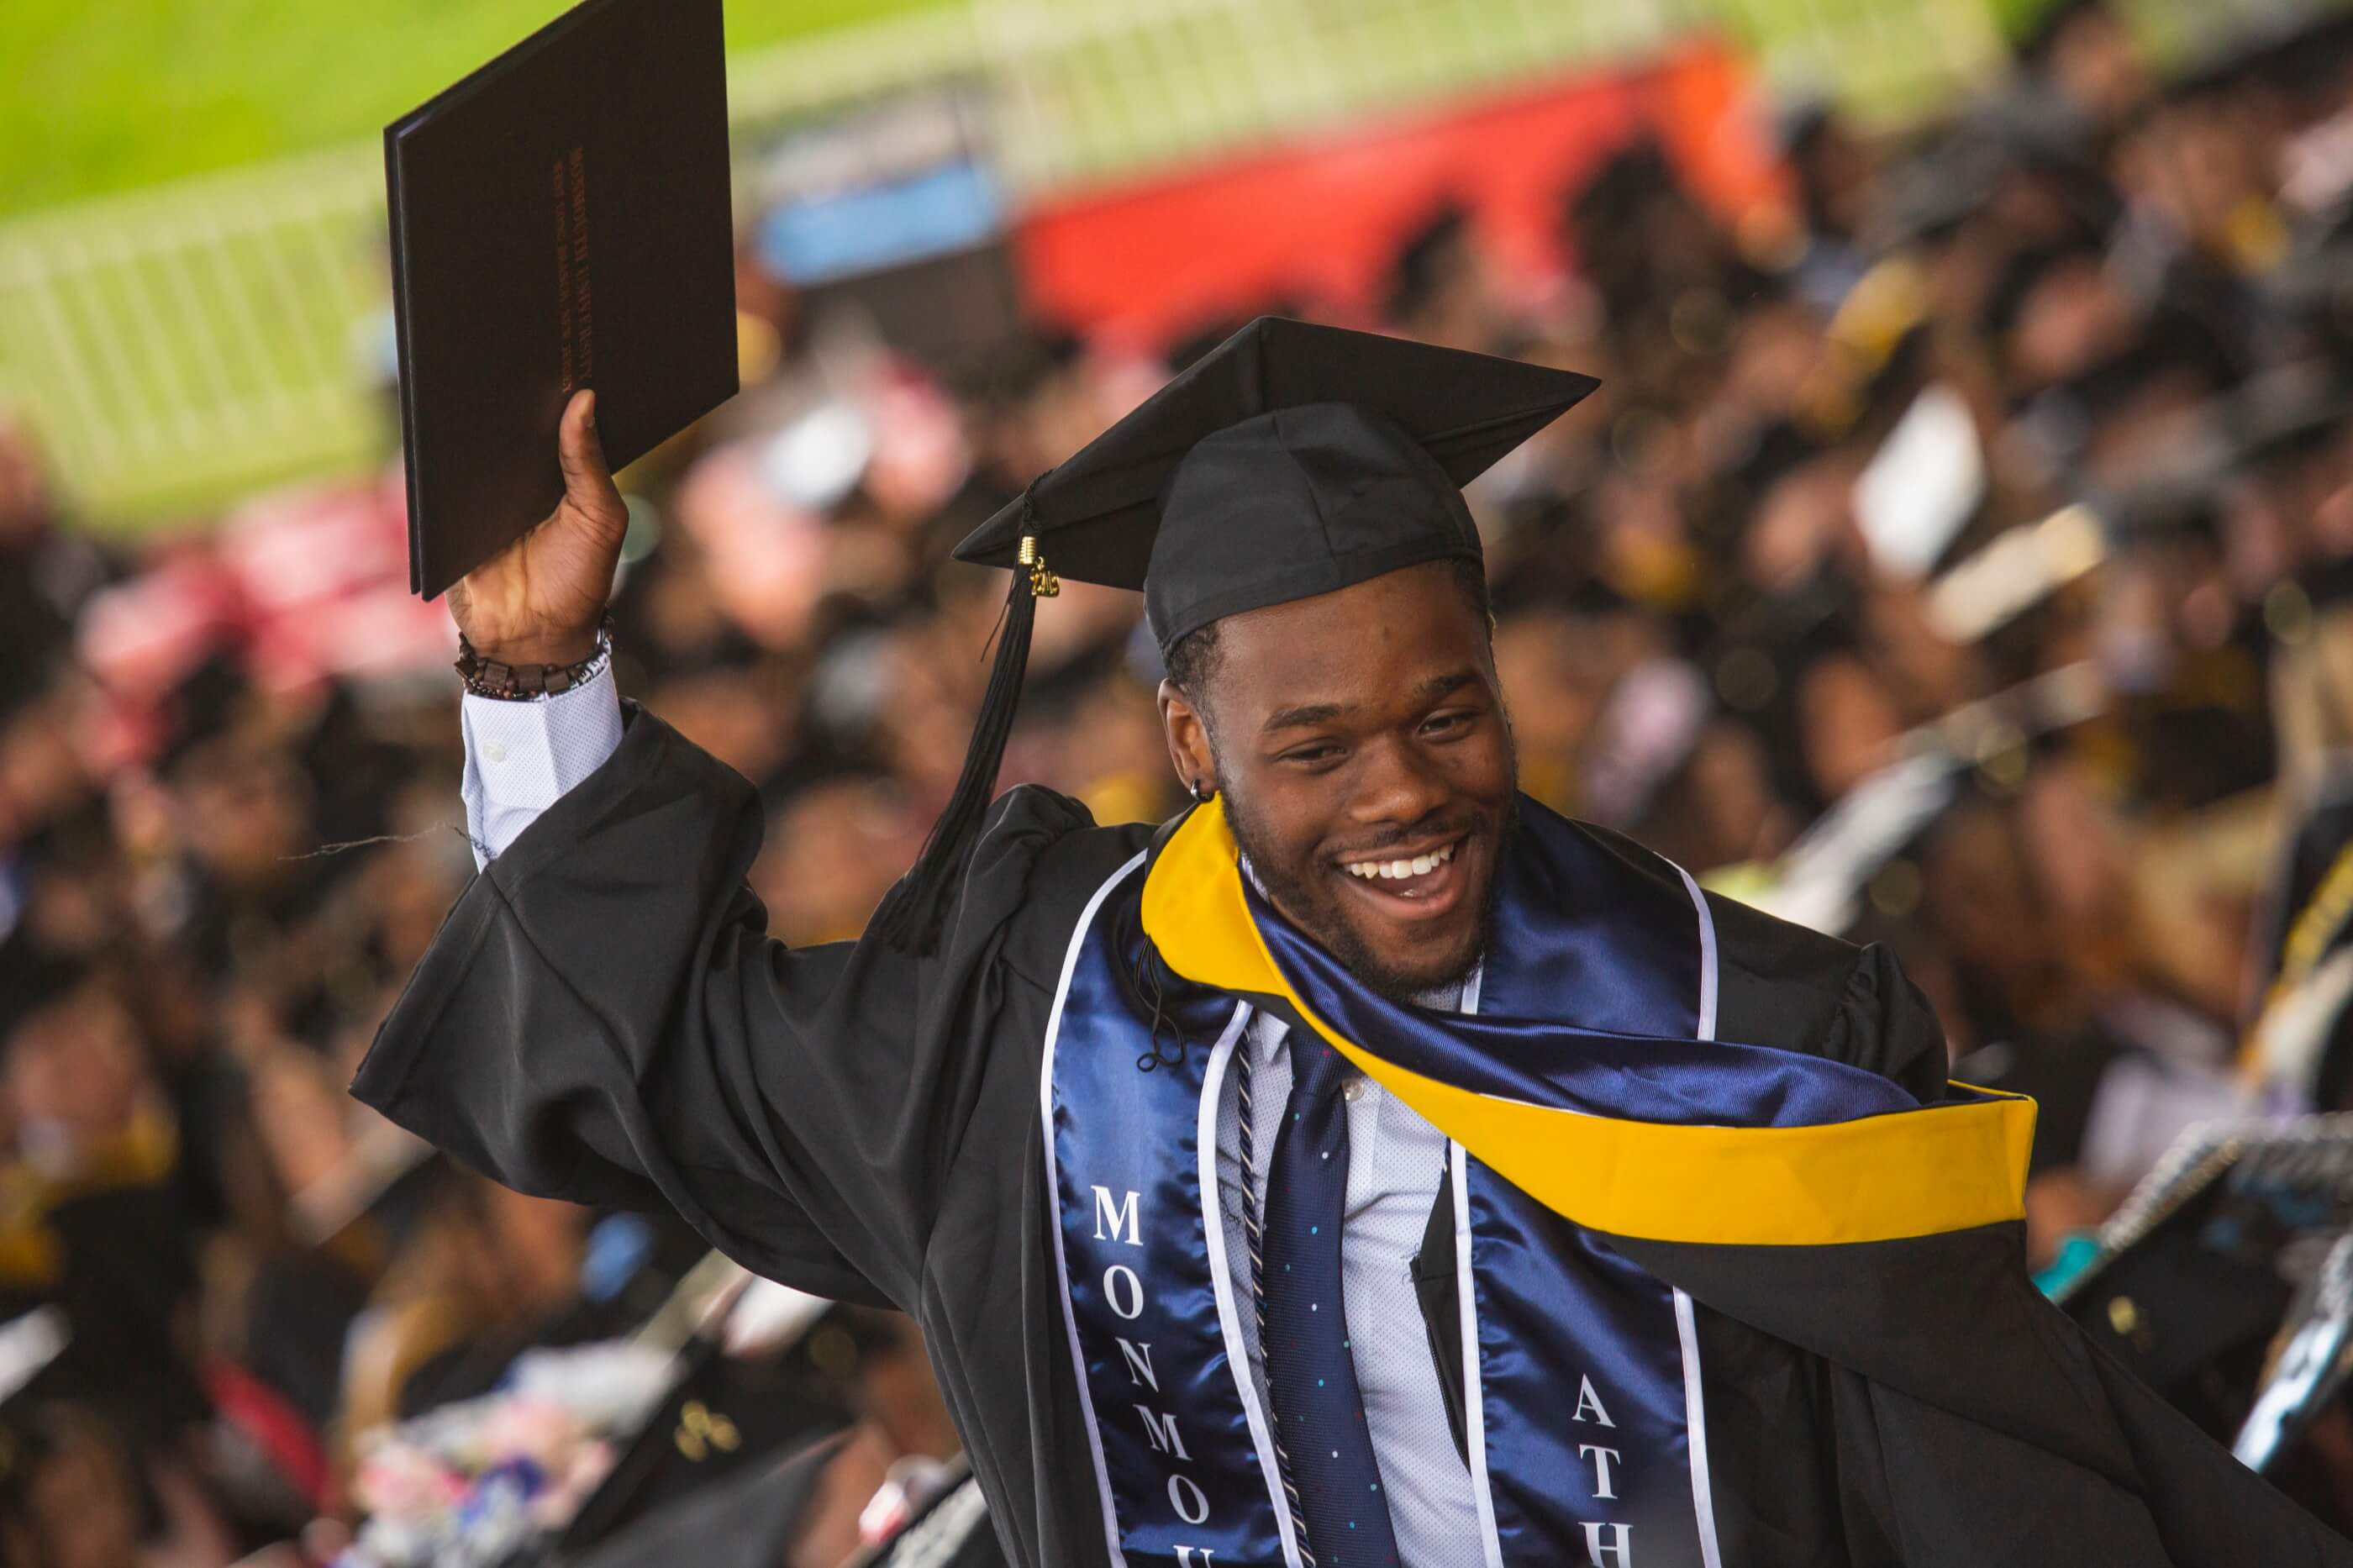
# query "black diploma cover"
(560, 219)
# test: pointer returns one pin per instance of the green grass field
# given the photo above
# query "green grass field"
(107, 95)
(182, 349)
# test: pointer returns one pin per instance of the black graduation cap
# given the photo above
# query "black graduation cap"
(2187, 1286)
(749, 1518)
(1289, 450)
(724, 1417)
(1294, 460)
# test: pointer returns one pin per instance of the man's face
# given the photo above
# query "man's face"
(1360, 743)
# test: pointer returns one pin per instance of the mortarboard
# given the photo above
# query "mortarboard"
(1332, 421)
(2189, 1279)
(1293, 460)
(747, 1517)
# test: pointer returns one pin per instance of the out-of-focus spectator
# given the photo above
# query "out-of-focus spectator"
(2085, 52)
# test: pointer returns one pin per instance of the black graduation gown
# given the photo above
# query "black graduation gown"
(604, 1018)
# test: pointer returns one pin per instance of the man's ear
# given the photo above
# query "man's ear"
(1187, 733)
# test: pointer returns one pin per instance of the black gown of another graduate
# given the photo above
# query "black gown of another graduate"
(602, 1018)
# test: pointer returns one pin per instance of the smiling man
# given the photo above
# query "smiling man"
(1393, 871)
(1369, 1166)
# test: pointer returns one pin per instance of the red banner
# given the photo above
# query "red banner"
(1320, 219)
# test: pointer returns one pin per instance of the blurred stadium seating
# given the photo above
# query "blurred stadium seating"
(190, 342)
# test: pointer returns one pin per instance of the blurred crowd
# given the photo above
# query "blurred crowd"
(2020, 444)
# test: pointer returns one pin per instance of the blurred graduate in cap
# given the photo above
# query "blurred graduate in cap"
(2292, 505)
(1366, 1166)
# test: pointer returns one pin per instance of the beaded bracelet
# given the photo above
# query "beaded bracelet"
(529, 682)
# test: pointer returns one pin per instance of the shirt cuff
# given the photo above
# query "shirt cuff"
(522, 757)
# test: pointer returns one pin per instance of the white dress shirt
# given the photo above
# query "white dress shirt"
(521, 756)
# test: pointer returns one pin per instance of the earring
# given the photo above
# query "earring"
(1193, 787)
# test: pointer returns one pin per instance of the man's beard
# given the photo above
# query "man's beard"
(1316, 911)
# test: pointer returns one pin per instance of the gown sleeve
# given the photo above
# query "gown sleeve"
(602, 1018)
(1787, 986)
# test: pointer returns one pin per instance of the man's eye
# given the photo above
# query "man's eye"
(1310, 755)
(1447, 723)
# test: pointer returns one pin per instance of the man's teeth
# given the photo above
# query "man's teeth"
(1394, 869)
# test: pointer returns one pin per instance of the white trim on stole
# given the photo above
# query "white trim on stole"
(1694, 1400)
(1474, 1405)
(1054, 1197)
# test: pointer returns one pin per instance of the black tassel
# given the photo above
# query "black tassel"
(911, 915)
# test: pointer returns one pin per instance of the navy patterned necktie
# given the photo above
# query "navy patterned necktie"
(1310, 1370)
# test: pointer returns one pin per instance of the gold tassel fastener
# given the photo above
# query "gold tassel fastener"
(1043, 584)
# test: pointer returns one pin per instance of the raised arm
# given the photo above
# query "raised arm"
(604, 1018)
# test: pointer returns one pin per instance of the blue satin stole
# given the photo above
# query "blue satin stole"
(1586, 1419)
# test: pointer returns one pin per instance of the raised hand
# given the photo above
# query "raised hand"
(538, 601)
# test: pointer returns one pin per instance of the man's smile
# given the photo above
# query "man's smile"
(1410, 882)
